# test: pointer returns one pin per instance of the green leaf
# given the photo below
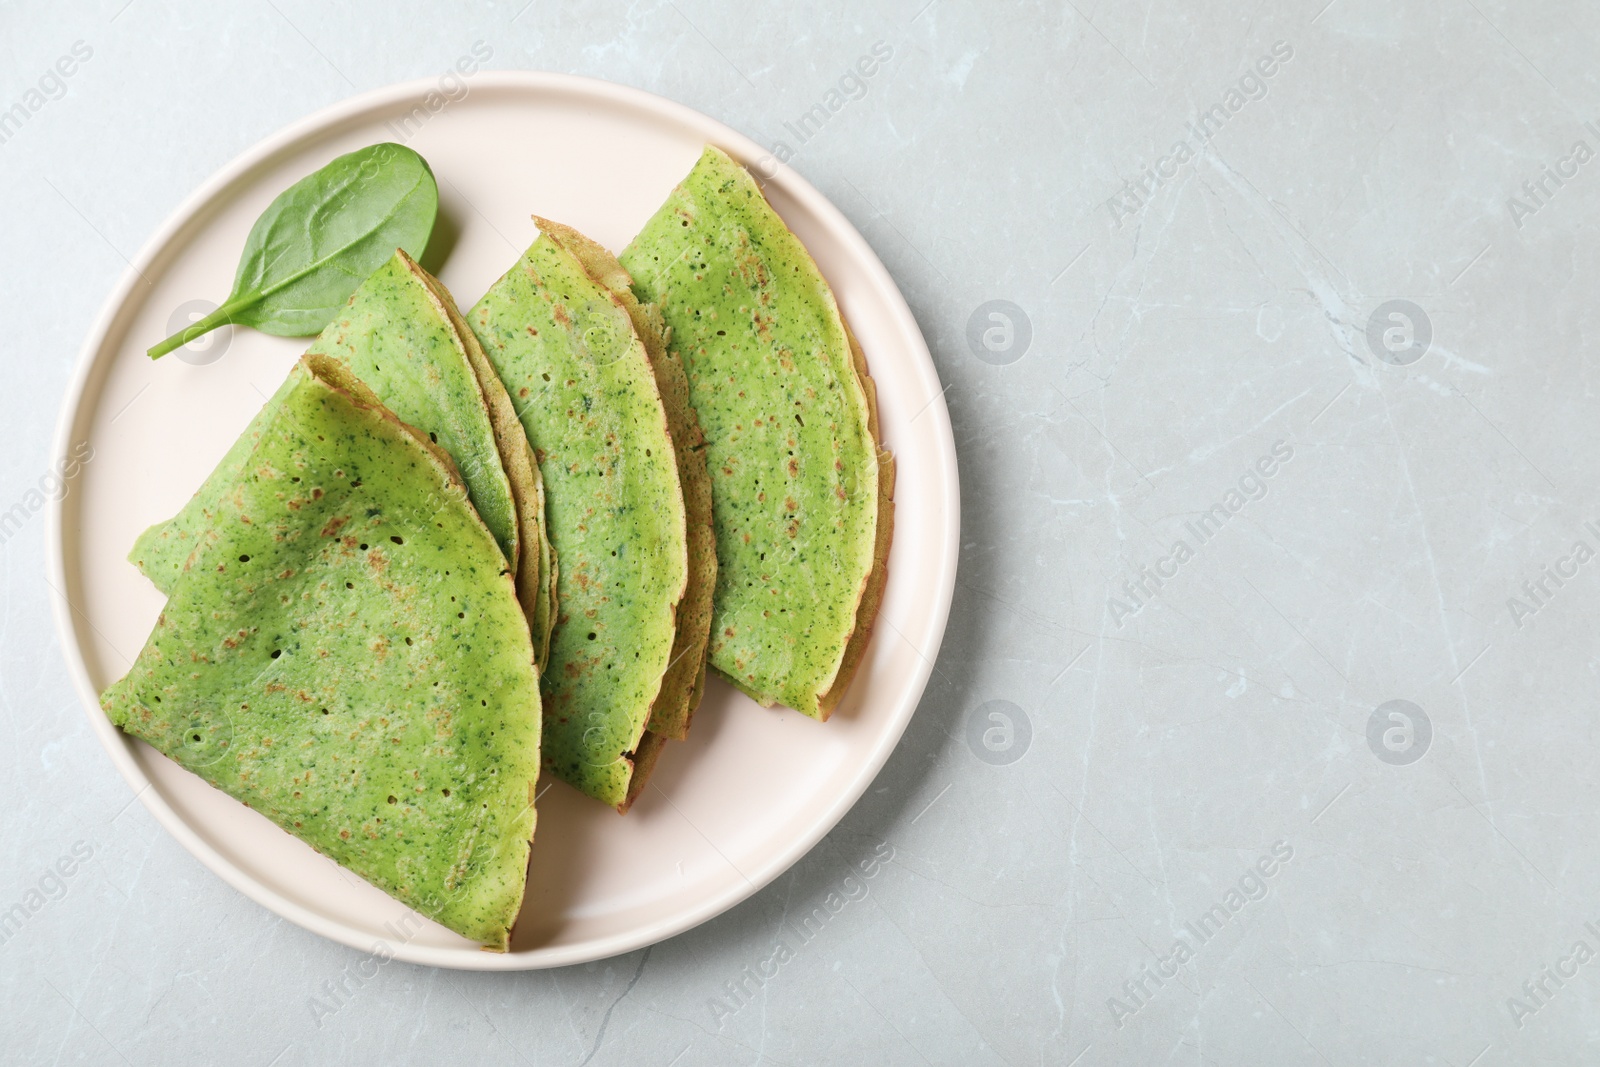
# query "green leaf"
(320, 239)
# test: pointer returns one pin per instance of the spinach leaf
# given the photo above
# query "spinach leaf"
(321, 238)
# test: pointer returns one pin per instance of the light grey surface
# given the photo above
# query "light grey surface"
(1163, 752)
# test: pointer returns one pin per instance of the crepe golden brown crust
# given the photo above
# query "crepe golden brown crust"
(872, 589)
(685, 683)
(644, 762)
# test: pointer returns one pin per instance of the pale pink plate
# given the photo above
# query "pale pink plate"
(753, 789)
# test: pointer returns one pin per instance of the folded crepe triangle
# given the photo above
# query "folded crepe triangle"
(344, 652)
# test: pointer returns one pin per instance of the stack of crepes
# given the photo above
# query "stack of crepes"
(453, 551)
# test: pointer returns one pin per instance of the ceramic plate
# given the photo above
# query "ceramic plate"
(752, 789)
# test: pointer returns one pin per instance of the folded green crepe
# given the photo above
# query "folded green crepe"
(401, 334)
(685, 681)
(345, 653)
(801, 488)
(583, 385)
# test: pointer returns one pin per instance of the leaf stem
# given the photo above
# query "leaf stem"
(220, 317)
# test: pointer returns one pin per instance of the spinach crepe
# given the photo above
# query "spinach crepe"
(685, 680)
(801, 487)
(345, 653)
(568, 352)
(401, 334)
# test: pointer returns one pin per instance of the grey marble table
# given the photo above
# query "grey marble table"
(1264, 731)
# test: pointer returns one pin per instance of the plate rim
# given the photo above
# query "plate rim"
(747, 151)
